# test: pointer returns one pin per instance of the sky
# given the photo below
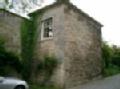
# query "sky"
(107, 12)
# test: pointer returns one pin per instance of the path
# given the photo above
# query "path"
(107, 83)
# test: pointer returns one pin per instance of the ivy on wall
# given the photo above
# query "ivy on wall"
(28, 44)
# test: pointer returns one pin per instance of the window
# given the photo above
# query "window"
(47, 30)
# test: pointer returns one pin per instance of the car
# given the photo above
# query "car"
(12, 83)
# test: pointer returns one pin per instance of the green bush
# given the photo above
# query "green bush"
(47, 66)
(116, 60)
(111, 70)
(106, 54)
(8, 60)
(111, 57)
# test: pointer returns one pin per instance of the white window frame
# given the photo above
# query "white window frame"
(42, 30)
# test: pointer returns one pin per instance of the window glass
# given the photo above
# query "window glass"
(48, 31)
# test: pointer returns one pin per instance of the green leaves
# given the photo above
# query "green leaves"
(7, 1)
(8, 60)
(28, 44)
(111, 57)
(106, 53)
(63, 1)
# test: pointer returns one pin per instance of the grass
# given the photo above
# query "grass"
(111, 70)
(35, 86)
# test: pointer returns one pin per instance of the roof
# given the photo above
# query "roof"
(45, 8)
(12, 13)
(71, 7)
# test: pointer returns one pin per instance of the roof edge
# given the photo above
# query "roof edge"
(83, 13)
(15, 14)
(45, 8)
(71, 6)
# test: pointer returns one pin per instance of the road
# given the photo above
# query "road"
(106, 83)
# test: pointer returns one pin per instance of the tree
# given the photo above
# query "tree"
(66, 1)
(106, 53)
(116, 55)
(22, 6)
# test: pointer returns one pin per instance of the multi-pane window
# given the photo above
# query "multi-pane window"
(47, 28)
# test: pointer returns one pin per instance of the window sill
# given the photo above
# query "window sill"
(47, 39)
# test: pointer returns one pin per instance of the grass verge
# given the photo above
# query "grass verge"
(35, 86)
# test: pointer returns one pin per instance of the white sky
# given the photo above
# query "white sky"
(105, 11)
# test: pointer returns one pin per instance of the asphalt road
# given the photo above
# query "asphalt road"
(106, 83)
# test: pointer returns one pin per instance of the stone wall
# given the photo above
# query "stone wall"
(82, 48)
(10, 30)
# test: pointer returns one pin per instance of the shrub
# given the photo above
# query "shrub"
(116, 60)
(111, 70)
(8, 60)
(111, 57)
(106, 54)
(47, 66)
(11, 60)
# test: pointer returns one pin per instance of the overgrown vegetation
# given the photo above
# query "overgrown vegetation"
(28, 43)
(42, 87)
(111, 57)
(9, 62)
(49, 64)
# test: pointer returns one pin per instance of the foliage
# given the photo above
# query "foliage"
(116, 56)
(6, 1)
(28, 41)
(62, 1)
(111, 57)
(8, 60)
(22, 5)
(106, 53)
(116, 60)
(27, 38)
(111, 70)
(49, 65)
(2, 43)
(35, 86)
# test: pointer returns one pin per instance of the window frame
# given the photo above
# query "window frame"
(43, 29)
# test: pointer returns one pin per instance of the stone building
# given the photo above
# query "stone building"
(74, 38)
(67, 33)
